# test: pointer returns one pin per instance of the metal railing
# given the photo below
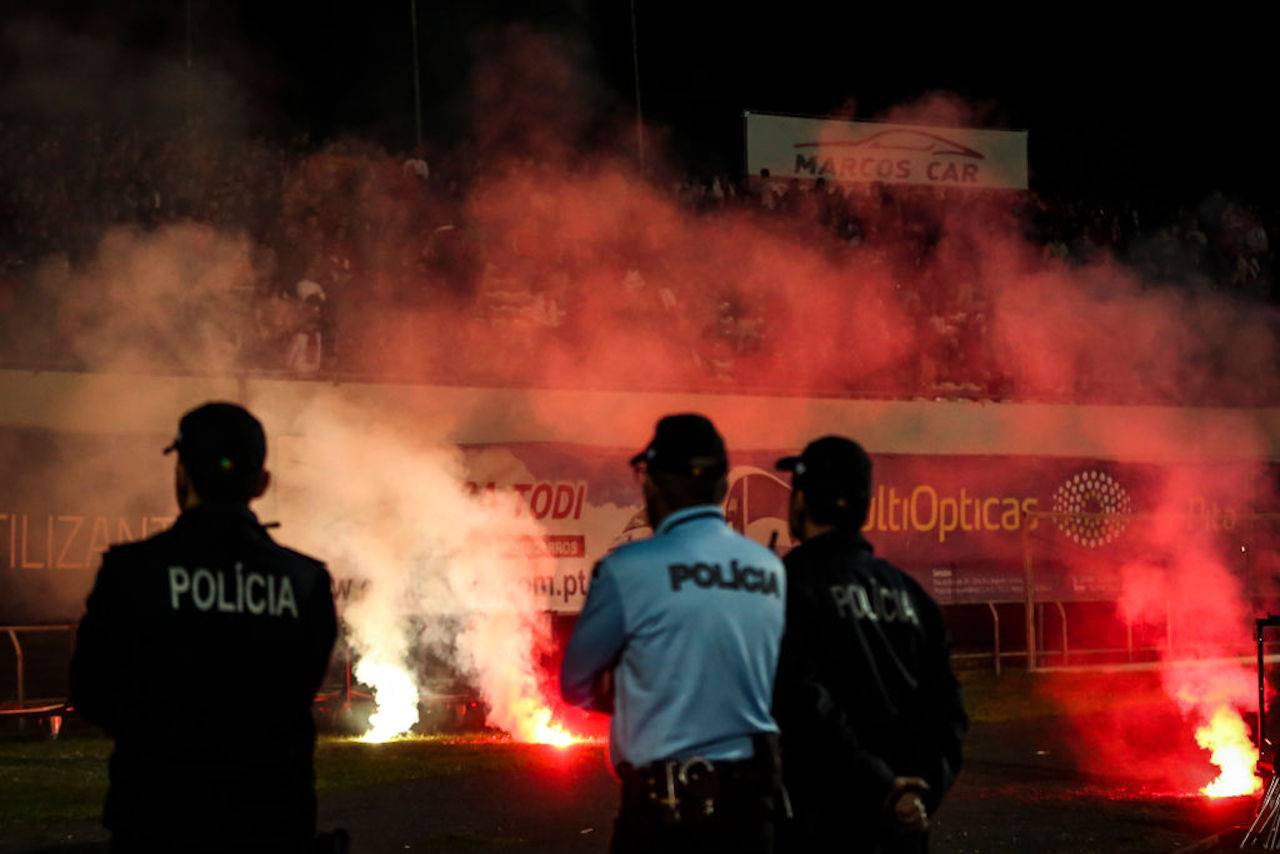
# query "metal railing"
(996, 656)
(1034, 609)
(20, 664)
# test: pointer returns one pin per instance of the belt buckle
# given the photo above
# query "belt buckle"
(698, 778)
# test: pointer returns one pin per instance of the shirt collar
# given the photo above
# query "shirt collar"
(844, 535)
(220, 510)
(690, 514)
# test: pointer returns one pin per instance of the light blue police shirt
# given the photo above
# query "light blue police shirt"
(692, 619)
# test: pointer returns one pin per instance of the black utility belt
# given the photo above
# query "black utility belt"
(689, 789)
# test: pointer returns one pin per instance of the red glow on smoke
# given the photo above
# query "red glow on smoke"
(1182, 726)
(565, 725)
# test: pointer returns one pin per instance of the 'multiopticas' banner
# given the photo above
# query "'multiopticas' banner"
(962, 525)
(864, 152)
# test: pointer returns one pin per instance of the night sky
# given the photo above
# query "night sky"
(1160, 108)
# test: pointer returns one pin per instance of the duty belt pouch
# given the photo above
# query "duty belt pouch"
(768, 762)
(700, 786)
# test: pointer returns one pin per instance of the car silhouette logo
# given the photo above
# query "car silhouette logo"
(757, 506)
(914, 141)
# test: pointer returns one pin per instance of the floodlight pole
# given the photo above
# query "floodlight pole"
(188, 50)
(1029, 581)
(417, 76)
(1262, 683)
(635, 62)
(188, 35)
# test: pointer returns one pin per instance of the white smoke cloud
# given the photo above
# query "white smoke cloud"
(450, 570)
(177, 298)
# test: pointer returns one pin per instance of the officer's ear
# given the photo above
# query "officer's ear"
(654, 501)
(797, 499)
(647, 487)
(264, 480)
(799, 505)
(796, 514)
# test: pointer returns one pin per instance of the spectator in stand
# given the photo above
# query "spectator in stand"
(369, 228)
(1055, 248)
(306, 349)
(416, 165)
(769, 191)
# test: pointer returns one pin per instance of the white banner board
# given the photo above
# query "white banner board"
(866, 152)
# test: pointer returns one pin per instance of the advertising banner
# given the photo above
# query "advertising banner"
(962, 525)
(865, 152)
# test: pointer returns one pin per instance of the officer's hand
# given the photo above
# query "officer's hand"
(909, 813)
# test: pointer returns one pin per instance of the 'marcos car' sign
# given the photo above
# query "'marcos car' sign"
(853, 152)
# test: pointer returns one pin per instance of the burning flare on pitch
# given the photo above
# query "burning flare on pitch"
(1227, 739)
(511, 682)
(452, 583)
(395, 698)
(500, 664)
(1210, 695)
(537, 727)
(1185, 588)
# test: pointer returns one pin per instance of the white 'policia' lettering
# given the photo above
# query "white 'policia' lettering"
(245, 593)
(880, 604)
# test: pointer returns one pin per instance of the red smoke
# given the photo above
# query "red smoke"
(1181, 592)
(538, 255)
(614, 281)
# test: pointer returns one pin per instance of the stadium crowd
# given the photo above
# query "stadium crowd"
(347, 236)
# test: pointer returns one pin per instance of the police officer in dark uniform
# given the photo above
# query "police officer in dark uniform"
(200, 653)
(871, 712)
(679, 638)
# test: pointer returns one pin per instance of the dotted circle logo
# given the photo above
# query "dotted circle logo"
(1089, 502)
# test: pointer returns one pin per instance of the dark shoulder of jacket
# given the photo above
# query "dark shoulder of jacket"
(801, 555)
(822, 554)
(120, 569)
(805, 571)
(305, 561)
(121, 554)
(308, 572)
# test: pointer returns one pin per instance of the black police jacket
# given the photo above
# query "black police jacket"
(865, 691)
(200, 653)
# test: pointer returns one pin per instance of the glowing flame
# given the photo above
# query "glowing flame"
(395, 698)
(1227, 740)
(534, 724)
(538, 728)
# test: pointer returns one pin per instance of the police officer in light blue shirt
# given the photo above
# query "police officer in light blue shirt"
(679, 637)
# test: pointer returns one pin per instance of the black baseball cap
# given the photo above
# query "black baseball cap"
(686, 444)
(220, 438)
(833, 470)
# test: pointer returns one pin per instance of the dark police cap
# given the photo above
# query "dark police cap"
(686, 444)
(832, 468)
(220, 437)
